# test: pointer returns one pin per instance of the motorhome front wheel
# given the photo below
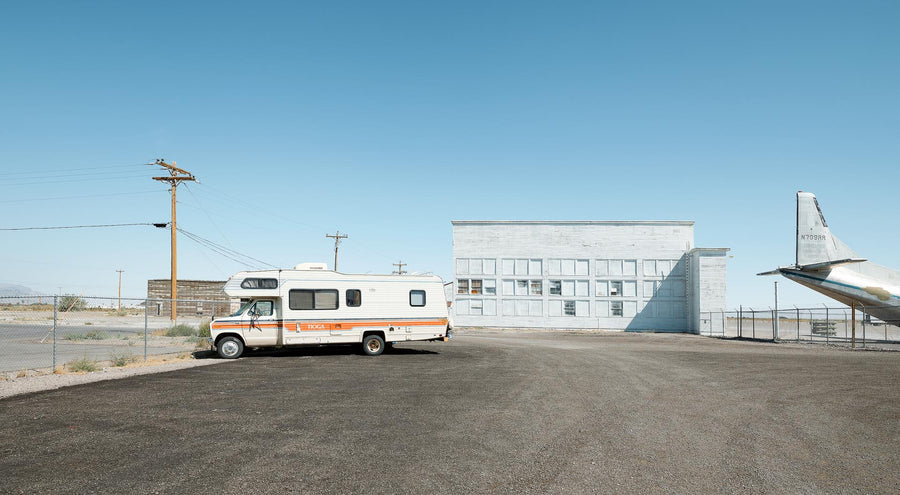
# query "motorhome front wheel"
(230, 348)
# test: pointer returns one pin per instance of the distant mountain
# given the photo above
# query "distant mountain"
(10, 290)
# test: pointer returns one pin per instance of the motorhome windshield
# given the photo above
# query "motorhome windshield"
(243, 308)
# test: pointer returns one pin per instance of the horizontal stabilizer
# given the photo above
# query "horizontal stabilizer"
(776, 271)
(829, 264)
(813, 267)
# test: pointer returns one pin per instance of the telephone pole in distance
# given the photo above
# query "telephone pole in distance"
(176, 176)
(337, 242)
(119, 306)
(399, 270)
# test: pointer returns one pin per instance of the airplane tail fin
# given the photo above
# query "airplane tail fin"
(815, 243)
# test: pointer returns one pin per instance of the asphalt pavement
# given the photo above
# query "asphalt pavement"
(488, 412)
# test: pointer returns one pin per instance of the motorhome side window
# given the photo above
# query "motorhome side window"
(259, 283)
(354, 298)
(313, 299)
(417, 298)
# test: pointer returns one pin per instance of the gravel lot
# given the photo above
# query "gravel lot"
(489, 412)
(36, 383)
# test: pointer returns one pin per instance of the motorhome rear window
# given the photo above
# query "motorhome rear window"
(303, 299)
(417, 298)
(259, 283)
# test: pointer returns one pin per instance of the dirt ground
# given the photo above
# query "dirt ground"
(488, 412)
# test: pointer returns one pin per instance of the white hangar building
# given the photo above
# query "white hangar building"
(614, 275)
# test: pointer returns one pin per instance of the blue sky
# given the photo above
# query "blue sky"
(387, 120)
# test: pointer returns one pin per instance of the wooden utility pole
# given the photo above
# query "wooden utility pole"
(176, 176)
(119, 305)
(399, 270)
(337, 242)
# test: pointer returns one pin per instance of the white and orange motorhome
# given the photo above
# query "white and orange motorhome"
(311, 305)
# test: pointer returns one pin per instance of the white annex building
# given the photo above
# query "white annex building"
(615, 275)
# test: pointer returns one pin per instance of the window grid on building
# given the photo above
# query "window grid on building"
(623, 286)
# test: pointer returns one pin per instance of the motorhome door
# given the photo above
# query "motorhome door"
(259, 324)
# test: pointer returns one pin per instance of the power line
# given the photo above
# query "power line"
(224, 251)
(104, 178)
(219, 252)
(159, 225)
(232, 198)
(155, 191)
(213, 222)
(37, 175)
(229, 199)
(65, 170)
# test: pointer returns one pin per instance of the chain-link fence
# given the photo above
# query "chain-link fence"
(827, 325)
(81, 333)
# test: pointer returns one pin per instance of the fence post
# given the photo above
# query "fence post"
(723, 324)
(845, 325)
(827, 325)
(753, 323)
(146, 311)
(774, 325)
(864, 331)
(740, 320)
(775, 315)
(810, 325)
(798, 323)
(55, 323)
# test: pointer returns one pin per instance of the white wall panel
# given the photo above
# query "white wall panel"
(582, 288)
(490, 307)
(462, 266)
(490, 267)
(581, 267)
(582, 308)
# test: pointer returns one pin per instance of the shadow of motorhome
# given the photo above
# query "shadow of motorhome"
(315, 350)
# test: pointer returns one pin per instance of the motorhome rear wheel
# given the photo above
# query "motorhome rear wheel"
(373, 345)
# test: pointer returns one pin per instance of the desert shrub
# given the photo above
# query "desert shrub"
(92, 335)
(83, 365)
(204, 328)
(71, 302)
(181, 330)
(122, 359)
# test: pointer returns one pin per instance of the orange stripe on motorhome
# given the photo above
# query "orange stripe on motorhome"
(326, 325)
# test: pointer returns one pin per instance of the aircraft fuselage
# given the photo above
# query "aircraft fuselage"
(847, 285)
